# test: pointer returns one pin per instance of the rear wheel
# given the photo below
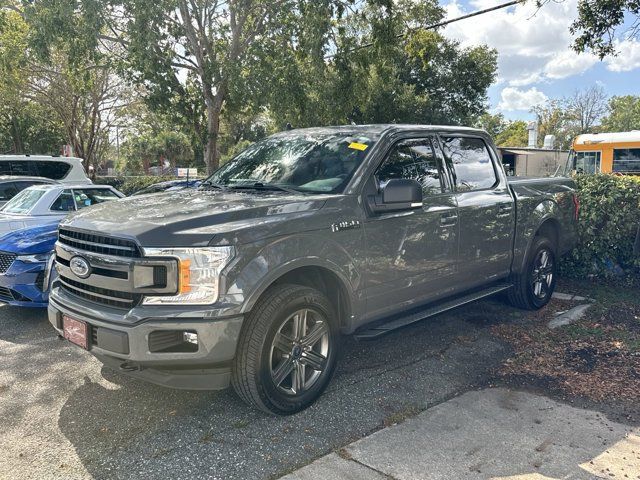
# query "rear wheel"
(534, 286)
(287, 350)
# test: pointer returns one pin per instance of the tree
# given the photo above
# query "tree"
(386, 68)
(493, 124)
(586, 107)
(88, 101)
(598, 20)
(552, 120)
(215, 44)
(624, 114)
(515, 134)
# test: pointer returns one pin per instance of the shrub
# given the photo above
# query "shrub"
(129, 185)
(609, 220)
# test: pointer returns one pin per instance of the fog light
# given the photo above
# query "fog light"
(190, 337)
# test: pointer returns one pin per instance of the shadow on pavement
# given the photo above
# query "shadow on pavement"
(136, 429)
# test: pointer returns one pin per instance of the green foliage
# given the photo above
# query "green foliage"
(25, 126)
(597, 22)
(624, 114)
(609, 220)
(129, 185)
(514, 135)
(153, 148)
(379, 75)
(505, 133)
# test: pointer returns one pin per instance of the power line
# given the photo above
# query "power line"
(439, 24)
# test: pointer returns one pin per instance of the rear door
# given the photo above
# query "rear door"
(485, 209)
(412, 255)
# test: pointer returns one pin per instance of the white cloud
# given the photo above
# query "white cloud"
(516, 99)
(533, 44)
(628, 57)
(569, 63)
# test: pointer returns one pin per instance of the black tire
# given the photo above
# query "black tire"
(256, 364)
(524, 293)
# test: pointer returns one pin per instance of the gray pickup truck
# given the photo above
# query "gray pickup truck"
(305, 236)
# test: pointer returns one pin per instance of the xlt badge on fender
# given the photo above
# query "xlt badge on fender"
(345, 225)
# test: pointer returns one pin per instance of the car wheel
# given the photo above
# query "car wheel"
(532, 289)
(287, 350)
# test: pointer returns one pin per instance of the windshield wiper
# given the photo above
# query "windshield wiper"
(209, 183)
(266, 186)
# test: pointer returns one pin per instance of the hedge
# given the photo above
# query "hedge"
(129, 185)
(609, 220)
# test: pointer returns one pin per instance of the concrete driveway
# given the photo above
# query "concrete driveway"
(494, 434)
(63, 416)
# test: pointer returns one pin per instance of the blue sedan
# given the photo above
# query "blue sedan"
(29, 229)
(24, 258)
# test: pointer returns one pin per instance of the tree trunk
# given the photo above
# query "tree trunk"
(18, 147)
(211, 152)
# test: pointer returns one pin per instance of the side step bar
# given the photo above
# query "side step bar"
(431, 310)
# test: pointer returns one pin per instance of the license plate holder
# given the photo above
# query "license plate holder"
(76, 331)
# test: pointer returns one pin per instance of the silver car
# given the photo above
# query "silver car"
(10, 186)
(43, 204)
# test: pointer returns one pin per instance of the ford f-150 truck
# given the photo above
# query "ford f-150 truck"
(307, 235)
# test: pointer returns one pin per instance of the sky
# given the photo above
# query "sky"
(535, 61)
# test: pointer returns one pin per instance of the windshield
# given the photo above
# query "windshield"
(583, 162)
(320, 163)
(24, 201)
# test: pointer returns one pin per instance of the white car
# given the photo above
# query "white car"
(43, 204)
(62, 169)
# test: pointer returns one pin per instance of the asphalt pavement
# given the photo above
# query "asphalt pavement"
(62, 415)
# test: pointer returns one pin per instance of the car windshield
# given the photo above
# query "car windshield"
(305, 162)
(24, 201)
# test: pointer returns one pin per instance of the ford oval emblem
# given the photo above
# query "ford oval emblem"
(80, 267)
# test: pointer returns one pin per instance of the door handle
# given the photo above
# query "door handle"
(448, 219)
(504, 210)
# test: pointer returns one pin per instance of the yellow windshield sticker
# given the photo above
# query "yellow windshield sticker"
(358, 146)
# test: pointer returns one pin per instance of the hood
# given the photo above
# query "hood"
(30, 240)
(194, 217)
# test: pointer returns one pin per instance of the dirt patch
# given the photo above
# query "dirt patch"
(597, 358)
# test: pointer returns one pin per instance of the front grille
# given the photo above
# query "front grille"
(99, 244)
(6, 294)
(104, 296)
(6, 260)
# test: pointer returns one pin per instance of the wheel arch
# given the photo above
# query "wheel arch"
(316, 274)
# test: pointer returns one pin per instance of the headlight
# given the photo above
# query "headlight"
(37, 258)
(198, 271)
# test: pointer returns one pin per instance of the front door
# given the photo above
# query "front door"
(412, 255)
(485, 209)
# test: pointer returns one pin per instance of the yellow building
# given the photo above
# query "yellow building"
(617, 152)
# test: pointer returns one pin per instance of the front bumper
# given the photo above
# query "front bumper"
(20, 287)
(129, 348)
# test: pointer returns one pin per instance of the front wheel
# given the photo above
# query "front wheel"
(287, 350)
(533, 287)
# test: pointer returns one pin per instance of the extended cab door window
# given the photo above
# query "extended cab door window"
(472, 165)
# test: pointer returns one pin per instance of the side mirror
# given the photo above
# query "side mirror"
(398, 194)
